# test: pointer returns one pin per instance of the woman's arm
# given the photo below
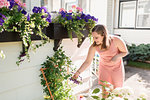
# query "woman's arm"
(87, 62)
(123, 51)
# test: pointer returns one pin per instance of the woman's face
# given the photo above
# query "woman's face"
(97, 38)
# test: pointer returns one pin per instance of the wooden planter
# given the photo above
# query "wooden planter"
(57, 32)
(14, 36)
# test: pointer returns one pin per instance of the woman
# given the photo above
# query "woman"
(111, 50)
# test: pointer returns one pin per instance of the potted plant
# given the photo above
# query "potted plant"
(72, 24)
(75, 21)
(16, 24)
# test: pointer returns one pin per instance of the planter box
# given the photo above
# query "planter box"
(14, 36)
(57, 31)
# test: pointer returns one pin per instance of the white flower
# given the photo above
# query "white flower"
(117, 98)
(117, 91)
(143, 95)
(127, 91)
(109, 98)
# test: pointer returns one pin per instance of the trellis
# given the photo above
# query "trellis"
(47, 83)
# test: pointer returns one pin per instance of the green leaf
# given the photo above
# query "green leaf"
(96, 90)
(95, 97)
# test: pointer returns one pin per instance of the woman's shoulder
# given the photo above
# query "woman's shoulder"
(115, 38)
(92, 47)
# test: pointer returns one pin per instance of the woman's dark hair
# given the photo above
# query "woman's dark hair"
(101, 29)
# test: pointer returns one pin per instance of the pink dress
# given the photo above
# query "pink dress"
(112, 72)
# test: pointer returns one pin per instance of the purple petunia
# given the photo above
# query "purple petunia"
(28, 17)
(19, 8)
(69, 17)
(48, 20)
(12, 3)
(35, 9)
(1, 21)
(44, 8)
(78, 18)
(75, 80)
(23, 12)
(2, 17)
(42, 16)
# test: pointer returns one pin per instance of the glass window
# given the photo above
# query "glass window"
(127, 14)
(143, 14)
(44, 3)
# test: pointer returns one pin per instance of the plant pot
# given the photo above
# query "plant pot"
(9, 36)
(14, 36)
(58, 31)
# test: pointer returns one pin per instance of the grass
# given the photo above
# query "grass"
(139, 64)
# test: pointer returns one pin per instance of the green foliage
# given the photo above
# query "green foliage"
(140, 52)
(96, 90)
(96, 97)
(16, 19)
(57, 75)
(76, 21)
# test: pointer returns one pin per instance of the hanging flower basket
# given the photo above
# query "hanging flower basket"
(14, 36)
(58, 31)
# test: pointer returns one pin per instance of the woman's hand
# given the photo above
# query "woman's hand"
(76, 75)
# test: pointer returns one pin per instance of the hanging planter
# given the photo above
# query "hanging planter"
(14, 37)
(58, 32)
(18, 25)
(72, 24)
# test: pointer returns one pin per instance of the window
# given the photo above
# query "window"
(44, 3)
(134, 14)
(143, 14)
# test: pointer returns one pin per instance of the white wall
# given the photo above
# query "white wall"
(134, 36)
(98, 8)
(23, 82)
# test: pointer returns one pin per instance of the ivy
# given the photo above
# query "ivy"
(56, 74)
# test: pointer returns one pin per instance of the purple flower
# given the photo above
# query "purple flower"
(88, 16)
(1, 21)
(23, 12)
(28, 17)
(45, 10)
(69, 13)
(2, 16)
(86, 20)
(19, 8)
(78, 18)
(48, 20)
(69, 17)
(49, 16)
(35, 9)
(83, 16)
(63, 14)
(42, 16)
(12, 3)
(74, 80)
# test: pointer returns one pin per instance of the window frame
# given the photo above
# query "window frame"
(120, 1)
